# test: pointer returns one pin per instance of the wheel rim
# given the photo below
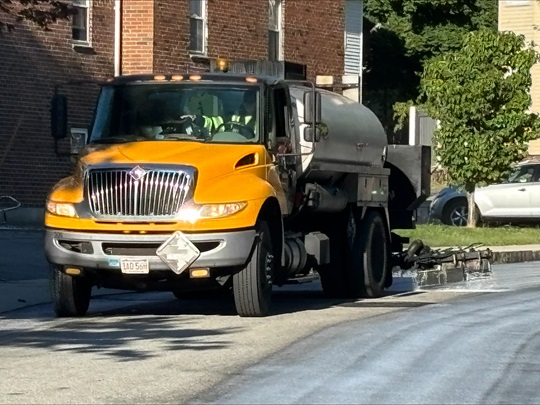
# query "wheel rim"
(458, 216)
(266, 279)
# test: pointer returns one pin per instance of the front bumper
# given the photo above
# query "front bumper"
(104, 250)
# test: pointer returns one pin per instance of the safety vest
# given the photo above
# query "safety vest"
(242, 119)
(212, 123)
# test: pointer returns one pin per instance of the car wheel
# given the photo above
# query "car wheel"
(455, 213)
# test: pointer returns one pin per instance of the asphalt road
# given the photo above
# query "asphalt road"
(21, 255)
(480, 348)
(475, 342)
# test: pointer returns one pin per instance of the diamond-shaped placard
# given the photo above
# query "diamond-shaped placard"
(178, 252)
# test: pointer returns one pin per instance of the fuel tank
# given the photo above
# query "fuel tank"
(352, 138)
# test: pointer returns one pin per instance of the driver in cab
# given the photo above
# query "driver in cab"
(243, 121)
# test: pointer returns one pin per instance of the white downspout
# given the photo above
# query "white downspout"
(117, 37)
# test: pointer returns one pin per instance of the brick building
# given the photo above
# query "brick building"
(111, 37)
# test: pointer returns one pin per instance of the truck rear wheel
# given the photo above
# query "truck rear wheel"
(252, 286)
(70, 295)
(368, 268)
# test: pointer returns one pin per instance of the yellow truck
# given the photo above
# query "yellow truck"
(240, 179)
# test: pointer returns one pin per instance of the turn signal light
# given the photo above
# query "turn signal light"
(199, 273)
(73, 271)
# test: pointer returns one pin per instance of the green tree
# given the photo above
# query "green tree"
(41, 12)
(481, 96)
(400, 35)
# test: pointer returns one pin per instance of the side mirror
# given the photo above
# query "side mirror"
(312, 107)
(59, 115)
(309, 136)
(78, 140)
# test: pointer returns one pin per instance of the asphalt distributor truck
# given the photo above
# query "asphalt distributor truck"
(183, 187)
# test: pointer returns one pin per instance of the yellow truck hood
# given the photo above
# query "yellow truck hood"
(211, 160)
(225, 174)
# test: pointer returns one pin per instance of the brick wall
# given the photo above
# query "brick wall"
(155, 39)
(238, 30)
(171, 36)
(315, 35)
(32, 62)
(137, 36)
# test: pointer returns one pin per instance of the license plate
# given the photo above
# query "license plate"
(131, 266)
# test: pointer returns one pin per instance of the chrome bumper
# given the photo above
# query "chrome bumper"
(227, 249)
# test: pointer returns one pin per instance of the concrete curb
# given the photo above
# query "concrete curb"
(516, 256)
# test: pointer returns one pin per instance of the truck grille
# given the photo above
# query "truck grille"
(138, 192)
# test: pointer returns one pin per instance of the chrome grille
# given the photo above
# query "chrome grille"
(127, 193)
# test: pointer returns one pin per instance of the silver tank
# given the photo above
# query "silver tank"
(355, 138)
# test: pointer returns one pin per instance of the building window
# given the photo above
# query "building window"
(80, 29)
(197, 26)
(275, 37)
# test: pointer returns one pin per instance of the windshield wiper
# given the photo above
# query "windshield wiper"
(114, 139)
(179, 137)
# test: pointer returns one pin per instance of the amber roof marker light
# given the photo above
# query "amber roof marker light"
(222, 65)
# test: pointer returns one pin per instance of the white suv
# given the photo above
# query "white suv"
(515, 200)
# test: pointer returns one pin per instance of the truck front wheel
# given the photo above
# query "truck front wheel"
(369, 261)
(70, 295)
(252, 286)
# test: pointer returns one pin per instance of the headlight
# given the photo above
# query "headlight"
(191, 213)
(63, 209)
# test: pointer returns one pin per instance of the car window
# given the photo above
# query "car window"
(522, 174)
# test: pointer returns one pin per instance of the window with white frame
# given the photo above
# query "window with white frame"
(80, 27)
(197, 26)
(275, 51)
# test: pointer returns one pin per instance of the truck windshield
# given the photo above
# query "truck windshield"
(177, 111)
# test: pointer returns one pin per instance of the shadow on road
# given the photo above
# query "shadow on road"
(127, 338)
(127, 326)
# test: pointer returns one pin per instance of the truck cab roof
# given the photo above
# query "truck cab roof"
(194, 77)
(262, 71)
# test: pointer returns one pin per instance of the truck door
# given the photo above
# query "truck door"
(281, 136)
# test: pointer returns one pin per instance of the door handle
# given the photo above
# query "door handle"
(522, 189)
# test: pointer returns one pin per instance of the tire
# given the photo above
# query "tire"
(70, 295)
(367, 272)
(252, 286)
(332, 275)
(455, 213)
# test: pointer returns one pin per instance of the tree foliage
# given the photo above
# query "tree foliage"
(400, 35)
(41, 12)
(481, 96)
